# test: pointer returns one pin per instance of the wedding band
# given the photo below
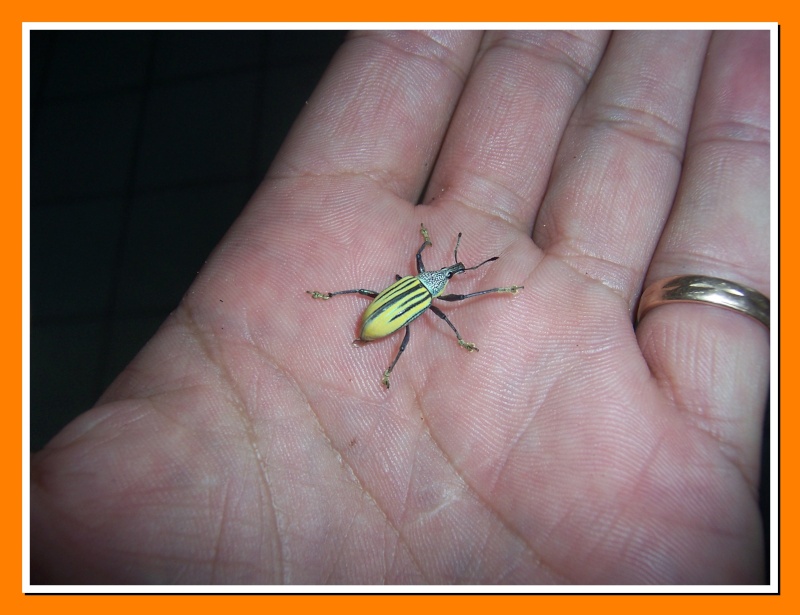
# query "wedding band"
(705, 289)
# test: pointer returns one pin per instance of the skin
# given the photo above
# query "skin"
(251, 442)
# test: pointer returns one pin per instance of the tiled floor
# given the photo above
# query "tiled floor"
(144, 148)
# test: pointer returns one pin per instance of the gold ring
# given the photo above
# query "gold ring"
(705, 289)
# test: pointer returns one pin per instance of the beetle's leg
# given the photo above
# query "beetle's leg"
(360, 291)
(427, 242)
(403, 345)
(468, 345)
(509, 289)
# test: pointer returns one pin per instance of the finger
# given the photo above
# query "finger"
(618, 167)
(382, 109)
(712, 362)
(503, 138)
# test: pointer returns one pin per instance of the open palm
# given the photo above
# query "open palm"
(252, 442)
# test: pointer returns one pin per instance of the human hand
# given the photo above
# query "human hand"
(250, 442)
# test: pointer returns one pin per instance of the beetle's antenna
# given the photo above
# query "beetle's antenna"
(455, 255)
(455, 252)
(488, 260)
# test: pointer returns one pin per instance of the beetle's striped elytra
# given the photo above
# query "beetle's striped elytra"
(405, 301)
(395, 307)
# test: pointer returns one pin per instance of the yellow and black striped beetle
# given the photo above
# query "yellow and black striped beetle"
(406, 300)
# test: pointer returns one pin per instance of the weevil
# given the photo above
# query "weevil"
(405, 301)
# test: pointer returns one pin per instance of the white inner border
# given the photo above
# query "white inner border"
(770, 588)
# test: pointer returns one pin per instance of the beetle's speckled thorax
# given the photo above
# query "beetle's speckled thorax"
(436, 281)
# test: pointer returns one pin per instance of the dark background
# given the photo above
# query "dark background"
(145, 146)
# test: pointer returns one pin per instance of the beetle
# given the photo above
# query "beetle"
(406, 300)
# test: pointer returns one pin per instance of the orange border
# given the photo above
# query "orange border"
(92, 10)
